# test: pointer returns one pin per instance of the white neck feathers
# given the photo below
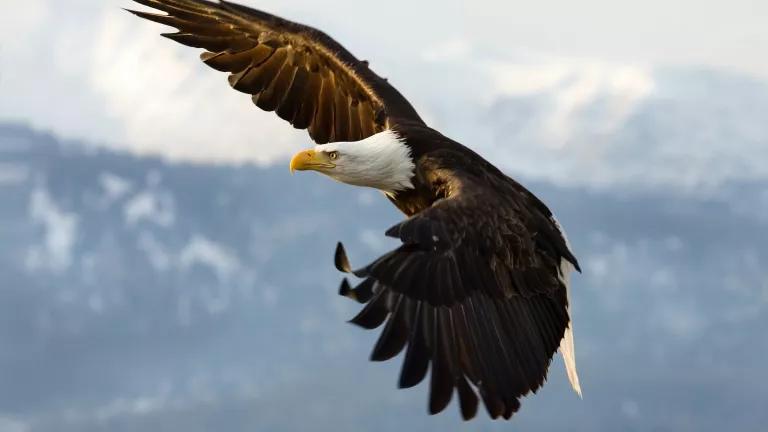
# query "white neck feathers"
(382, 161)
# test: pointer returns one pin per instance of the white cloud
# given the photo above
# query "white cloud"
(571, 89)
(55, 253)
(597, 124)
(202, 251)
(115, 187)
(26, 15)
(224, 263)
(169, 103)
(152, 206)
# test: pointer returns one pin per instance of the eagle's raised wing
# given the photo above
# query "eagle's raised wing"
(299, 72)
(477, 291)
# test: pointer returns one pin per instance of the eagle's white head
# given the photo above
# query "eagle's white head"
(382, 161)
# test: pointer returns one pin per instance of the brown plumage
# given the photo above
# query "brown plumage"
(476, 295)
(303, 75)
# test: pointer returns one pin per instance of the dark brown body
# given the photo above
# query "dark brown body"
(476, 292)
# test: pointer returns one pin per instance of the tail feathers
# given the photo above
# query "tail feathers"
(569, 357)
(567, 347)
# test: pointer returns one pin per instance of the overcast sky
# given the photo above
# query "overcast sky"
(576, 73)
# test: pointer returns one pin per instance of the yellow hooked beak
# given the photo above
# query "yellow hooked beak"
(311, 160)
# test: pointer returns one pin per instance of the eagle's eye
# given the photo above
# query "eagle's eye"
(333, 155)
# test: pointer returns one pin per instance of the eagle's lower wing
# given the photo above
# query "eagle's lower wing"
(299, 72)
(475, 291)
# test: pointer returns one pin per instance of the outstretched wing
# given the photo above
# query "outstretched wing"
(305, 76)
(475, 291)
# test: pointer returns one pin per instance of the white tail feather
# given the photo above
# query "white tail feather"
(567, 347)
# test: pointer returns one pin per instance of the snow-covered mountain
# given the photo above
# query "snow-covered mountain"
(138, 294)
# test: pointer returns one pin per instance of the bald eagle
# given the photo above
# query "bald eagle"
(477, 293)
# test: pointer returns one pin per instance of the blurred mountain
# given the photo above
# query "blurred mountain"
(603, 125)
(139, 294)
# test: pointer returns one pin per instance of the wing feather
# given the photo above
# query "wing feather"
(488, 307)
(337, 98)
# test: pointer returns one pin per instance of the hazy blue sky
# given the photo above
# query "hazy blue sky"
(152, 284)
